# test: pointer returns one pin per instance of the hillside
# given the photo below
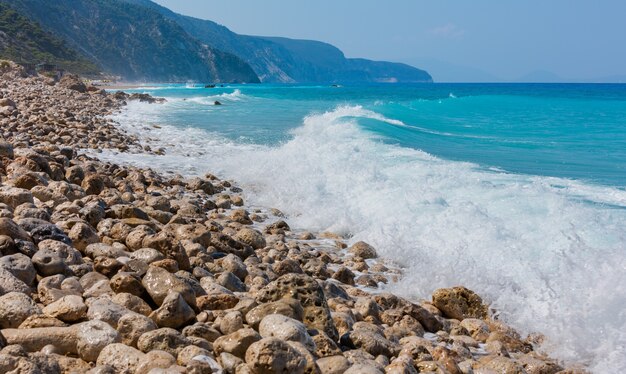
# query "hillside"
(23, 40)
(288, 60)
(133, 41)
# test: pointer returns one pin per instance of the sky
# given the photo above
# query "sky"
(463, 40)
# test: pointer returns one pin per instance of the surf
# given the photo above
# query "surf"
(547, 253)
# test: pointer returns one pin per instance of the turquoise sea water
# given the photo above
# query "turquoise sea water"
(517, 191)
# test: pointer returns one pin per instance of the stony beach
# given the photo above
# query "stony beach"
(109, 268)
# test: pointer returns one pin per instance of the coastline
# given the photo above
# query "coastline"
(240, 278)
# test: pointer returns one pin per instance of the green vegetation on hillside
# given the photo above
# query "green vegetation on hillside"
(134, 42)
(23, 40)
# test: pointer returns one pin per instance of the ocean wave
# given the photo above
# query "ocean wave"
(547, 253)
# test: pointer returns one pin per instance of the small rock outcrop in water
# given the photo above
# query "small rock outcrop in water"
(117, 269)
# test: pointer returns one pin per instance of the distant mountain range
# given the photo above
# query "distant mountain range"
(143, 41)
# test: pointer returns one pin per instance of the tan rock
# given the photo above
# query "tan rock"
(333, 364)
(69, 308)
(501, 364)
(459, 303)
(286, 329)
(316, 314)
(132, 325)
(164, 339)
(272, 356)
(122, 358)
(92, 337)
(174, 311)
(159, 282)
(156, 359)
(251, 237)
(236, 343)
(287, 307)
(15, 308)
(363, 250)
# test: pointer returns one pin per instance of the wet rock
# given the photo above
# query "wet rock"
(459, 303)
(344, 275)
(363, 250)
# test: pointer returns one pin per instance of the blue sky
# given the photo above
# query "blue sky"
(474, 40)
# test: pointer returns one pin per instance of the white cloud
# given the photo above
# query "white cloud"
(449, 30)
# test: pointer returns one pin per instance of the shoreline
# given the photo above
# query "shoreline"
(242, 284)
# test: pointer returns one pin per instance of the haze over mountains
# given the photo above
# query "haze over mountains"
(143, 41)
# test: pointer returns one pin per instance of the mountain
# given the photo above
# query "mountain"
(23, 40)
(288, 60)
(140, 40)
(135, 42)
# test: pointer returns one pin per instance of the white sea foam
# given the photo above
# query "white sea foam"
(547, 253)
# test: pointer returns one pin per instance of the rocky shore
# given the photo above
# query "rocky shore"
(116, 269)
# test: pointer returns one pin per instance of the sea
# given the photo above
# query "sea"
(516, 191)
